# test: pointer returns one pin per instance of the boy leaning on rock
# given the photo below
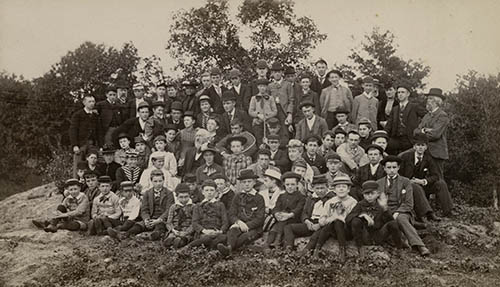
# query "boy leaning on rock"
(72, 214)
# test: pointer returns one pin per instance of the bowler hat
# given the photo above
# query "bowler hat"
(215, 71)
(420, 139)
(189, 177)
(319, 179)
(247, 174)
(124, 135)
(104, 179)
(404, 86)
(72, 181)
(189, 114)
(262, 82)
(276, 66)
(228, 96)
(176, 106)
(368, 80)
(290, 174)
(234, 73)
(391, 158)
(435, 92)
(377, 147)
(182, 188)
(209, 182)
(289, 70)
(261, 64)
(108, 148)
(369, 186)
(306, 103)
(332, 156)
(125, 184)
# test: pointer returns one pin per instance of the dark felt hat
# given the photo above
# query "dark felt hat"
(228, 96)
(170, 127)
(300, 163)
(176, 106)
(340, 131)
(306, 103)
(332, 156)
(319, 179)
(234, 73)
(189, 177)
(274, 137)
(139, 139)
(72, 181)
(219, 175)
(436, 92)
(272, 122)
(209, 182)
(374, 146)
(341, 111)
(247, 174)
(276, 66)
(104, 179)
(261, 64)
(369, 186)
(89, 174)
(262, 82)
(420, 139)
(157, 104)
(264, 151)
(108, 149)
(126, 184)
(391, 158)
(215, 71)
(290, 174)
(289, 70)
(124, 135)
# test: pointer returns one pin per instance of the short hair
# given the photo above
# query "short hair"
(321, 61)
(156, 173)
(88, 96)
(339, 73)
(353, 132)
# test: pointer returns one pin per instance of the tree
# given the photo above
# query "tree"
(377, 57)
(149, 73)
(206, 36)
(474, 134)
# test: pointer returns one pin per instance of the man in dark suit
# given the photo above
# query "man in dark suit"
(176, 115)
(261, 69)
(216, 90)
(134, 126)
(242, 91)
(311, 155)
(231, 112)
(84, 130)
(434, 126)
(279, 157)
(189, 100)
(303, 93)
(371, 171)
(319, 82)
(133, 105)
(109, 114)
(403, 120)
(419, 166)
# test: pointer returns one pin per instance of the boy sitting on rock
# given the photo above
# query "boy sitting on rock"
(106, 209)
(371, 216)
(179, 219)
(130, 206)
(72, 214)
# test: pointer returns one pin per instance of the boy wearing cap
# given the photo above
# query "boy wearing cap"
(335, 168)
(133, 105)
(311, 124)
(210, 220)
(351, 153)
(287, 210)
(205, 111)
(270, 191)
(262, 107)
(380, 138)
(106, 209)
(340, 138)
(333, 223)
(366, 104)
(398, 192)
(237, 160)
(246, 215)
(209, 167)
(342, 117)
(328, 145)
(233, 111)
(371, 216)
(154, 208)
(312, 144)
(194, 192)
(156, 123)
(370, 171)
(304, 93)
(419, 166)
(130, 206)
(225, 191)
(72, 214)
(216, 90)
(364, 130)
(124, 142)
(143, 152)
(241, 91)
(130, 171)
(314, 208)
(179, 220)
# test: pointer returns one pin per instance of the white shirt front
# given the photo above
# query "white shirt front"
(373, 168)
(310, 122)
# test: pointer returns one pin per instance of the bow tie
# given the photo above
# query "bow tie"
(259, 97)
(103, 199)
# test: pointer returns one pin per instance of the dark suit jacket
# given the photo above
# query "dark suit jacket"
(179, 125)
(381, 116)
(318, 162)
(244, 96)
(426, 169)
(84, 129)
(438, 122)
(411, 118)
(317, 86)
(364, 173)
(225, 126)
(397, 199)
(300, 97)
(216, 99)
(147, 206)
(282, 161)
(130, 127)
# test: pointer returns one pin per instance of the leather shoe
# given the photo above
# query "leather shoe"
(419, 225)
(424, 251)
(224, 250)
(40, 224)
(433, 217)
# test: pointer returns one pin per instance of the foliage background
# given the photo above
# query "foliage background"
(34, 115)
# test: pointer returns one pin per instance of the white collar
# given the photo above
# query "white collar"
(87, 111)
(211, 201)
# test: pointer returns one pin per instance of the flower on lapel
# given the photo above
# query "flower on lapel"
(403, 191)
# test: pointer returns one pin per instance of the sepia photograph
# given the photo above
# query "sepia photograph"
(271, 143)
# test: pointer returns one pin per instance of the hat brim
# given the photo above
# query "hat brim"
(248, 177)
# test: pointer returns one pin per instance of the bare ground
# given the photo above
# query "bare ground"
(465, 253)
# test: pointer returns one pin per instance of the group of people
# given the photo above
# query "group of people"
(220, 165)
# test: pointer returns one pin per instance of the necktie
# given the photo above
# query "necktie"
(391, 181)
(419, 160)
(230, 116)
(157, 194)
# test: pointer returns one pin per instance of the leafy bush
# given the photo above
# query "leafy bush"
(59, 168)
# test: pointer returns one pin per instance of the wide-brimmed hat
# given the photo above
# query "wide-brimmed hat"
(247, 174)
(273, 172)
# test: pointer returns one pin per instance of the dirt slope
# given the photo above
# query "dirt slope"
(465, 253)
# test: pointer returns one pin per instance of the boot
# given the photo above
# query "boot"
(277, 241)
(112, 233)
(431, 216)
(40, 224)
(342, 254)
(270, 240)
(224, 250)
(51, 228)
(423, 251)
(362, 253)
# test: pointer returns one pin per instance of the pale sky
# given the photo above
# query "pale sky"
(451, 36)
